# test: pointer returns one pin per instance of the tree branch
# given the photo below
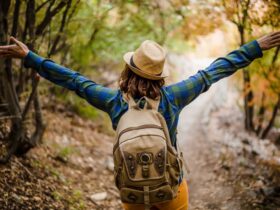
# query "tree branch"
(49, 15)
(62, 25)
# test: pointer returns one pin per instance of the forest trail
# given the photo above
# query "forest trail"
(208, 191)
(73, 168)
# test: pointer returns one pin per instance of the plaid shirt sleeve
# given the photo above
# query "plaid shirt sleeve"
(97, 95)
(187, 90)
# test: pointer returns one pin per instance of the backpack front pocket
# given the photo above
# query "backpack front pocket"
(158, 195)
(144, 158)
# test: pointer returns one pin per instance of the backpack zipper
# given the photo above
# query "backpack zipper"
(138, 128)
(135, 128)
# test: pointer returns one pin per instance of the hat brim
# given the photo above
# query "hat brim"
(127, 57)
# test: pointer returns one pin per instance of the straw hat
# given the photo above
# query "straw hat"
(147, 61)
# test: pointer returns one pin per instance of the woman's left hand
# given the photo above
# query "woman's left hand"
(17, 50)
(269, 41)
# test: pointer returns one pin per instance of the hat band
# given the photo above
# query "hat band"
(134, 65)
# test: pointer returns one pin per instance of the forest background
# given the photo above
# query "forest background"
(91, 36)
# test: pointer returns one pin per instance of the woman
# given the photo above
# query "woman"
(143, 76)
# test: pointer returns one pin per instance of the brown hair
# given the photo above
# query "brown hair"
(137, 86)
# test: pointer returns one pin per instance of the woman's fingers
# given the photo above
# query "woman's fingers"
(21, 48)
(13, 39)
(276, 36)
(269, 41)
(276, 33)
(276, 40)
(10, 48)
(17, 50)
(4, 51)
(7, 46)
(275, 44)
(9, 52)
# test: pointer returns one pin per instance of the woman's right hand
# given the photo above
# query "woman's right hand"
(269, 41)
(17, 50)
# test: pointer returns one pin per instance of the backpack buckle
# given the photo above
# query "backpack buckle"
(145, 159)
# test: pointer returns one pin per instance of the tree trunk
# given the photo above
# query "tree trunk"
(272, 119)
(261, 115)
(17, 131)
(248, 93)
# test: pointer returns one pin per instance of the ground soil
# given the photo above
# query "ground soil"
(71, 165)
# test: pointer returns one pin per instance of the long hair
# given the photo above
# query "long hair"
(137, 86)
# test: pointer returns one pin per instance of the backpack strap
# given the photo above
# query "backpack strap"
(150, 103)
(146, 197)
(165, 129)
(128, 99)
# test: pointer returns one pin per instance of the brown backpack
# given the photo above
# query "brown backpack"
(147, 167)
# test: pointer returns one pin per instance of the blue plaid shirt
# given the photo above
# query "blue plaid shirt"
(174, 97)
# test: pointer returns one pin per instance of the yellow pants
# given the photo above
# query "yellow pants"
(178, 203)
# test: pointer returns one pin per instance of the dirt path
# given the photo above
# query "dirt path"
(208, 190)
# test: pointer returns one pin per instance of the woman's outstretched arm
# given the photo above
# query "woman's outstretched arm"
(187, 90)
(97, 95)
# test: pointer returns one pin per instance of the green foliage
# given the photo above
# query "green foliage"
(76, 201)
(179, 45)
(83, 108)
(56, 195)
(65, 152)
(76, 104)
(104, 31)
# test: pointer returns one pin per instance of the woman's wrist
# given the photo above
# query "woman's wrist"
(25, 53)
(32, 60)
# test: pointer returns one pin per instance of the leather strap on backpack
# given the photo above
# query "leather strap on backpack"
(146, 198)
